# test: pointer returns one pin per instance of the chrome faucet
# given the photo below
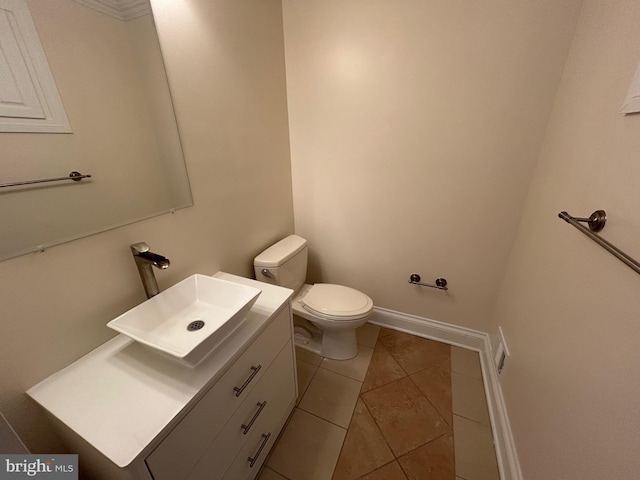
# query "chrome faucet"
(144, 260)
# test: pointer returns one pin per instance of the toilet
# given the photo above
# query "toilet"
(325, 315)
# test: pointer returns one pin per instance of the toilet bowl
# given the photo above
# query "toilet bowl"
(337, 311)
(334, 311)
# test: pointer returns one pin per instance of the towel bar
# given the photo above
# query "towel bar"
(596, 223)
(75, 176)
(441, 283)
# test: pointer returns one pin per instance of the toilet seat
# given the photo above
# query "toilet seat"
(336, 302)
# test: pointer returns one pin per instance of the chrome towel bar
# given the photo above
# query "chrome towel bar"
(441, 283)
(596, 223)
(75, 176)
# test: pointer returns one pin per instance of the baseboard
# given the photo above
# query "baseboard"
(475, 340)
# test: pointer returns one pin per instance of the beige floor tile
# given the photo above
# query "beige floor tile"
(475, 456)
(466, 362)
(364, 449)
(391, 471)
(331, 396)
(404, 415)
(355, 367)
(415, 353)
(468, 397)
(306, 371)
(268, 474)
(435, 383)
(383, 369)
(433, 461)
(385, 331)
(367, 335)
(308, 448)
(307, 356)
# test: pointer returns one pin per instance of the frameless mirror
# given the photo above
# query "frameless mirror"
(105, 59)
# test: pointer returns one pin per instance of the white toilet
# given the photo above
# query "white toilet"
(335, 311)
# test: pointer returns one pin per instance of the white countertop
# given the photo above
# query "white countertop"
(120, 396)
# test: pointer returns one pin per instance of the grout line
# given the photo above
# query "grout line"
(381, 467)
(365, 406)
(433, 406)
(310, 380)
(383, 385)
(343, 442)
(375, 422)
(474, 421)
(325, 420)
(272, 469)
(344, 376)
(404, 472)
(275, 444)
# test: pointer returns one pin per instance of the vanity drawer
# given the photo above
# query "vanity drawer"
(174, 458)
(256, 449)
(268, 401)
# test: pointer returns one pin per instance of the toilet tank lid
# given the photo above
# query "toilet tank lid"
(279, 253)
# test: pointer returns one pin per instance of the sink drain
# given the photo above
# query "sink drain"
(195, 325)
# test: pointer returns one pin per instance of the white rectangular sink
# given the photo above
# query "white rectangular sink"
(190, 319)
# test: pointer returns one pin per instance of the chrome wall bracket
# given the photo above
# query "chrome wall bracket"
(596, 221)
(441, 283)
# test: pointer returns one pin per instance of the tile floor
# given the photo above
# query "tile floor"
(405, 408)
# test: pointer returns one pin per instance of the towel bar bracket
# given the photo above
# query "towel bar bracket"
(596, 221)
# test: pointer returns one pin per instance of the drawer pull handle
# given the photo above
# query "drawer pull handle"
(239, 390)
(265, 439)
(246, 428)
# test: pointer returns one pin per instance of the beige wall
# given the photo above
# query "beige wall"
(414, 130)
(570, 310)
(144, 40)
(226, 68)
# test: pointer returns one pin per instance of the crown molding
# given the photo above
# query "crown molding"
(124, 10)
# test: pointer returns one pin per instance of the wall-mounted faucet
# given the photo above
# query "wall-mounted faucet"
(144, 260)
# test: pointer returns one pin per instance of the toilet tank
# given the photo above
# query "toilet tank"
(284, 263)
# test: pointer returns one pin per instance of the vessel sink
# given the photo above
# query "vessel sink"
(190, 319)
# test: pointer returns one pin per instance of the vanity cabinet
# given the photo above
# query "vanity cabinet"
(253, 395)
(165, 421)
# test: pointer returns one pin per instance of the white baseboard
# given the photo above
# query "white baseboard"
(474, 340)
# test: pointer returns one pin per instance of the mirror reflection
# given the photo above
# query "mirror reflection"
(106, 63)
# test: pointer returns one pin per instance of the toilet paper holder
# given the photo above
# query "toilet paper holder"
(441, 283)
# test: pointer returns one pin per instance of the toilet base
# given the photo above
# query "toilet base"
(336, 345)
(339, 345)
(311, 345)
